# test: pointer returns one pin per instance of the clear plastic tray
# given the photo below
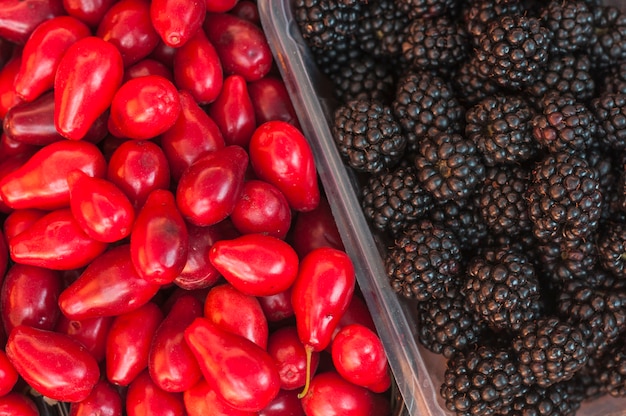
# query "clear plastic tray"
(417, 371)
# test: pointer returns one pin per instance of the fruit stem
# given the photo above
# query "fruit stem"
(309, 352)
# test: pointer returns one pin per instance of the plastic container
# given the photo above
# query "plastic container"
(418, 372)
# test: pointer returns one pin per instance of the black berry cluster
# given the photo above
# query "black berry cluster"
(495, 169)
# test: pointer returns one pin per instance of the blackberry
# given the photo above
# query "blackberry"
(424, 261)
(566, 74)
(502, 289)
(564, 259)
(363, 78)
(426, 8)
(472, 86)
(326, 22)
(391, 200)
(513, 50)
(609, 167)
(614, 80)
(463, 218)
(501, 200)
(332, 60)
(477, 15)
(564, 198)
(560, 399)
(380, 30)
(549, 351)
(611, 248)
(610, 112)
(449, 166)
(481, 381)
(613, 373)
(571, 23)
(437, 42)
(445, 325)
(500, 127)
(368, 136)
(564, 124)
(600, 313)
(608, 43)
(424, 105)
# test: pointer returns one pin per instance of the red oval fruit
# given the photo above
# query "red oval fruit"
(52, 363)
(281, 155)
(210, 187)
(256, 264)
(144, 108)
(236, 312)
(87, 77)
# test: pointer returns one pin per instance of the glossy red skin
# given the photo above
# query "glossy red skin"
(144, 108)
(330, 394)
(145, 67)
(242, 373)
(4, 254)
(32, 122)
(289, 355)
(240, 44)
(321, 295)
(198, 272)
(53, 364)
(271, 101)
(193, 135)
(177, 21)
(127, 25)
(281, 155)
(29, 296)
(55, 241)
(138, 168)
(42, 53)
(144, 397)
(220, 6)
(89, 11)
(128, 343)
(171, 364)
(10, 148)
(314, 229)
(8, 73)
(101, 209)
(359, 357)
(236, 312)
(286, 403)
(104, 400)
(109, 286)
(198, 69)
(262, 209)
(209, 189)
(233, 112)
(87, 77)
(202, 400)
(277, 307)
(159, 241)
(8, 166)
(256, 264)
(357, 313)
(8, 374)
(247, 10)
(19, 220)
(19, 18)
(41, 182)
(15, 403)
(92, 333)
